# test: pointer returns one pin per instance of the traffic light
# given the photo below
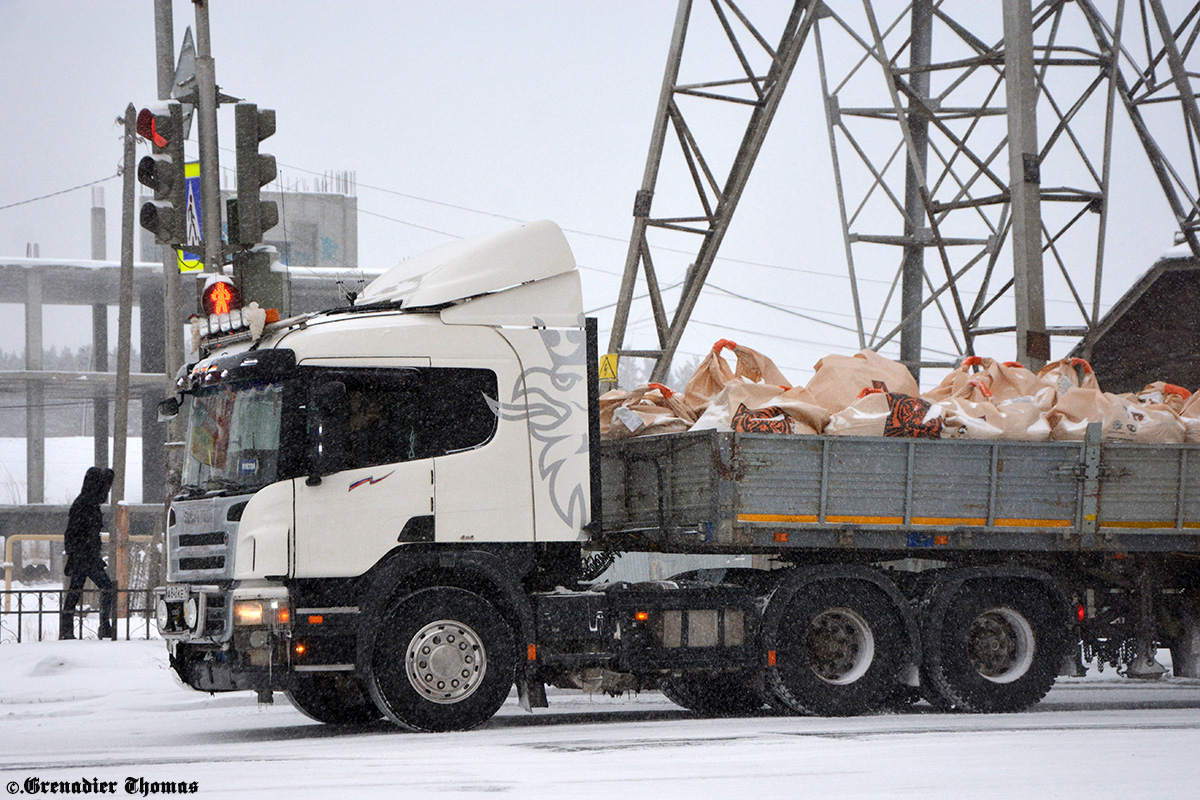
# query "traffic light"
(224, 316)
(162, 171)
(220, 296)
(254, 171)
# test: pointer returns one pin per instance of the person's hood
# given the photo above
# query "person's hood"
(96, 483)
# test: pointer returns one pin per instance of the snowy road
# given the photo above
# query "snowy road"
(83, 711)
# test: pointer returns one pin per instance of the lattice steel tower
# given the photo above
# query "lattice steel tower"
(971, 148)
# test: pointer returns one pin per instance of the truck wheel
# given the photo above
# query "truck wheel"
(332, 699)
(838, 649)
(721, 694)
(997, 647)
(443, 661)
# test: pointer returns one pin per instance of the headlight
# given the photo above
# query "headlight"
(162, 615)
(191, 613)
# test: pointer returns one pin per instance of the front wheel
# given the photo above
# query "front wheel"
(997, 647)
(332, 699)
(443, 660)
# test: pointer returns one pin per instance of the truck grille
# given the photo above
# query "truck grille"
(202, 564)
(200, 556)
(202, 539)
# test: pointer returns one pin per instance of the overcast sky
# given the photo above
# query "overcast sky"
(460, 118)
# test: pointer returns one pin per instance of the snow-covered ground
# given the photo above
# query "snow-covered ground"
(75, 711)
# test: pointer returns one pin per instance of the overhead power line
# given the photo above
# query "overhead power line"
(61, 191)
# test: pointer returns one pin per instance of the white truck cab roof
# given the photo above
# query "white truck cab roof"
(484, 265)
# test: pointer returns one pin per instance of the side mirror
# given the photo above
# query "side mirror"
(328, 430)
(168, 409)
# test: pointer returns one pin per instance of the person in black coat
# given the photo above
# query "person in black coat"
(84, 560)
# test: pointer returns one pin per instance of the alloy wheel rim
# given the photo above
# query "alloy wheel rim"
(839, 645)
(445, 662)
(1000, 645)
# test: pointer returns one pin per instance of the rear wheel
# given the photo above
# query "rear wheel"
(719, 694)
(443, 660)
(997, 647)
(838, 649)
(333, 699)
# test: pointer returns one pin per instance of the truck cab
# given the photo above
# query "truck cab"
(331, 458)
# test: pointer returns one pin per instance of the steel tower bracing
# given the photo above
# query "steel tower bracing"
(971, 150)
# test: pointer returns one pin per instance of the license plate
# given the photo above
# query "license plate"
(176, 592)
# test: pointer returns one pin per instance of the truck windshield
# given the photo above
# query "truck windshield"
(233, 437)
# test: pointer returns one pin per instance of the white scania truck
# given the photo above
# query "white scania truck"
(399, 509)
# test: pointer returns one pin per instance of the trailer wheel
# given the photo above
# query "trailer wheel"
(332, 699)
(997, 647)
(443, 661)
(721, 694)
(838, 649)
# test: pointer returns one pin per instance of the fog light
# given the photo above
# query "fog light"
(191, 613)
(247, 612)
(162, 615)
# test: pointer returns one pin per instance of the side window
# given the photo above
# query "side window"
(383, 409)
(459, 417)
(399, 415)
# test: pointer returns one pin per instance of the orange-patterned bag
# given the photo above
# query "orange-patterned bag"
(748, 407)
(880, 413)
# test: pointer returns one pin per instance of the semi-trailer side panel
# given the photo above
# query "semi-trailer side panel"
(707, 490)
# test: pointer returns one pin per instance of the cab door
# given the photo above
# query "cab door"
(384, 495)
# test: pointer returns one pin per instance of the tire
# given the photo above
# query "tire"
(997, 646)
(720, 694)
(334, 699)
(901, 699)
(444, 660)
(839, 646)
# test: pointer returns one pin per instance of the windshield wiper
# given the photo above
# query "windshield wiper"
(225, 486)
(188, 491)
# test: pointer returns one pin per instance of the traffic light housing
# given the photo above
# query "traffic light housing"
(254, 171)
(162, 172)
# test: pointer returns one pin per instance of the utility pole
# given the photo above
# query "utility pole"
(124, 334)
(164, 30)
(164, 35)
(206, 107)
(99, 332)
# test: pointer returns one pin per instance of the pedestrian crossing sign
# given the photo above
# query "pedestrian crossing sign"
(190, 260)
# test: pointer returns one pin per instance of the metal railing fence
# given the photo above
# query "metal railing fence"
(33, 615)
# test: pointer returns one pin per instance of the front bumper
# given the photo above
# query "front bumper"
(211, 612)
